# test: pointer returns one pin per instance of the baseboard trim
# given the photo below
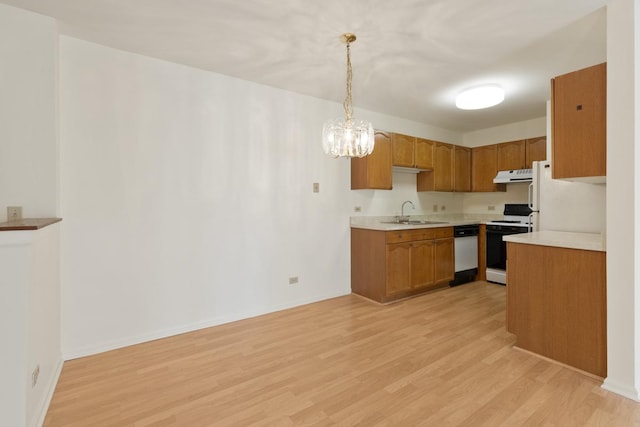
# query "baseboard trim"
(621, 389)
(139, 339)
(51, 388)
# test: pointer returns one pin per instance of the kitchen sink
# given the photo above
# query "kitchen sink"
(413, 222)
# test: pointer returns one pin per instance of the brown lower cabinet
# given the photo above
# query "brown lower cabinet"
(389, 265)
(556, 304)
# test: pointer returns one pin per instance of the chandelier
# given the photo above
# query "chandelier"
(347, 137)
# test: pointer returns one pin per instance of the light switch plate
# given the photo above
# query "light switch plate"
(14, 213)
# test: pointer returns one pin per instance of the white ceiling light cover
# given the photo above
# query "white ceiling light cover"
(480, 97)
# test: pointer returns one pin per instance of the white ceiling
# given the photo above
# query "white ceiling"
(410, 60)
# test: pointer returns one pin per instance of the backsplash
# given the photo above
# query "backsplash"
(479, 203)
(387, 203)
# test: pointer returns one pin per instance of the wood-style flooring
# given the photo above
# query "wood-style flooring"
(441, 359)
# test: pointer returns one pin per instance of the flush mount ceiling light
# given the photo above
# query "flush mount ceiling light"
(480, 97)
(347, 137)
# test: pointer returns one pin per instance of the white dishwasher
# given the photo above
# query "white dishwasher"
(466, 253)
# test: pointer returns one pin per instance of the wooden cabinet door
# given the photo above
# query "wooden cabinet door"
(374, 170)
(424, 153)
(443, 167)
(444, 260)
(422, 265)
(461, 169)
(403, 150)
(535, 150)
(511, 155)
(484, 167)
(398, 268)
(579, 116)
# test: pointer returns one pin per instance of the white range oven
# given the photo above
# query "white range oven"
(516, 220)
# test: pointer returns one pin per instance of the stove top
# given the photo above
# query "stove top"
(509, 223)
(515, 214)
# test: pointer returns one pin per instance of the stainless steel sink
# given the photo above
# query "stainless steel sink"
(413, 222)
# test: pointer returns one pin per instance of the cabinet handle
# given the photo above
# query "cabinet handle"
(579, 107)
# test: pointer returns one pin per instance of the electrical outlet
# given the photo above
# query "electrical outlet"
(357, 209)
(293, 280)
(491, 208)
(14, 213)
(435, 208)
(316, 187)
(34, 376)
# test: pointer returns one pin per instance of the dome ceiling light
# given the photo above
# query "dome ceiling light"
(480, 97)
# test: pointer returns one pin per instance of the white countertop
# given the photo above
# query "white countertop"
(561, 239)
(378, 222)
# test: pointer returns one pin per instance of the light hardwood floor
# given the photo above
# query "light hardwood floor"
(441, 359)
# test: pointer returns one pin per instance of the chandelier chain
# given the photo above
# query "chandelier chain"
(347, 104)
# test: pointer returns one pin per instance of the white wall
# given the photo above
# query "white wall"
(28, 144)
(187, 198)
(514, 131)
(623, 202)
(29, 324)
(29, 279)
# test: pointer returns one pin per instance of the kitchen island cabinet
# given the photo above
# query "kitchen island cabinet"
(389, 265)
(556, 300)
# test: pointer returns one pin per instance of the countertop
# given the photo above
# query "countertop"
(377, 222)
(28, 224)
(561, 239)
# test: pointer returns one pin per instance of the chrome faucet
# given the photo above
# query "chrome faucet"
(402, 208)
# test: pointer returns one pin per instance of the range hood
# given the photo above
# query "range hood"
(518, 175)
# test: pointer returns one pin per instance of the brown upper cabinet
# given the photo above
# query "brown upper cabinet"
(484, 168)
(374, 170)
(521, 154)
(441, 177)
(403, 150)
(578, 126)
(424, 153)
(447, 167)
(511, 155)
(461, 169)
(412, 152)
(535, 150)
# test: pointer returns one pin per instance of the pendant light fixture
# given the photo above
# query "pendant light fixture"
(348, 137)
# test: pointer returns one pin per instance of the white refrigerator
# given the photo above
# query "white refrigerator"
(565, 205)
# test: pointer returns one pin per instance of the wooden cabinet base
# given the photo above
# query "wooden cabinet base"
(393, 265)
(556, 304)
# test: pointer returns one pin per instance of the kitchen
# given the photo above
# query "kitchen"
(89, 191)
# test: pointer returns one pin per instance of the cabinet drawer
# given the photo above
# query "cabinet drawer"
(400, 236)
